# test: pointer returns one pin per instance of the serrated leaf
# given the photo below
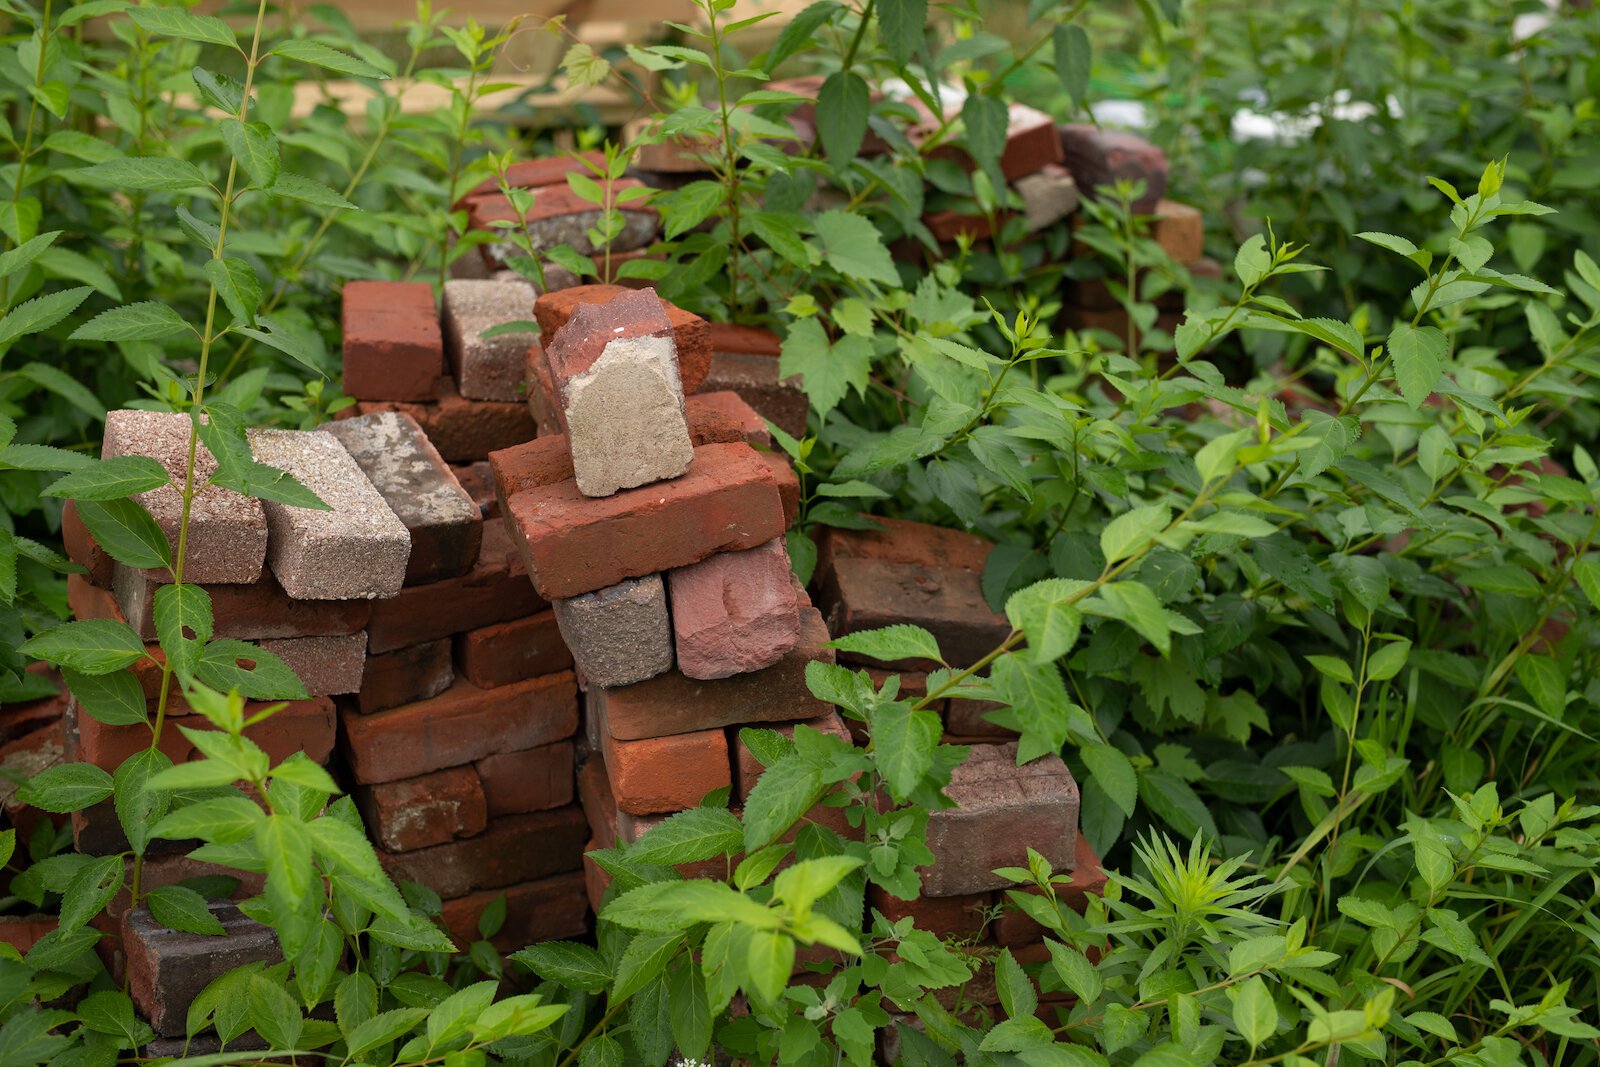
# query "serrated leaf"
(1419, 354)
(319, 54)
(258, 675)
(1114, 772)
(890, 643)
(127, 532)
(91, 646)
(110, 479)
(255, 148)
(116, 699)
(150, 174)
(236, 283)
(841, 114)
(690, 836)
(66, 787)
(307, 191)
(183, 909)
(1129, 532)
(905, 742)
(148, 320)
(175, 22)
(40, 313)
(853, 247)
(568, 963)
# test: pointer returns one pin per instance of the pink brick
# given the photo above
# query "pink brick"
(734, 612)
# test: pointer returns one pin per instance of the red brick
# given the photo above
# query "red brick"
(661, 774)
(513, 849)
(1031, 145)
(478, 481)
(744, 340)
(462, 430)
(250, 612)
(82, 548)
(573, 544)
(167, 969)
(788, 483)
(301, 726)
(691, 334)
(16, 720)
(755, 378)
(535, 779)
(950, 225)
(405, 676)
(22, 932)
(599, 805)
(550, 909)
(535, 174)
(672, 704)
(496, 590)
(460, 725)
(429, 809)
(723, 417)
(1016, 927)
(1180, 230)
(393, 349)
(912, 573)
(510, 652)
(325, 665)
(632, 827)
(595, 880)
(1098, 158)
(158, 871)
(20, 759)
(559, 216)
(959, 917)
(964, 723)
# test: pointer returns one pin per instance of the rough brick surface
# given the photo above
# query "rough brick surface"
(542, 405)
(672, 704)
(961, 917)
(324, 665)
(1001, 811)
(22, 757)
(167, 969)
(357, 549)
(512, 651)
(616, 373)
(513, 849)
(227, 530)
(405, 675)
(743, 340)
(560, 217)
(788, 484)
(1047, 196)
(620, 634)
(691, 335)
(302, 726)
(550, 909)
(536, 173)
(573, 544)
(1180, 230)
(1099, 158)
(82, 548)
(755, 378)
(462, 430)
(535, 779)
(487, 368)
(477, 480)
(496, 590)
(392, 346)
(249, 612)
(459, 726)
(912, 573)
(429, 809)
(734, 612)
(446, 527)
(660, 774)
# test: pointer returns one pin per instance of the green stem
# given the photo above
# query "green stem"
(27, 143)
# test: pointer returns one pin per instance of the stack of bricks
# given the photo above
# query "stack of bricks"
(910, 573)
(644, 500)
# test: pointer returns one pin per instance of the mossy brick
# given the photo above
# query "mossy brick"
(227, 540)
(167, 969)
(573, 544)
(495, 590)
(909, 573)
(620, 634)
(615, 370)
(487, 368)
(445, 526)
(671, 703)
(429, 809)
(1001, 811)
(405, 675)
(511, 850)
(459, 726)
(534, 779)
(325, 665)
(691, 334)
(507, 652)
(734, 612)
(393, 349)
(357, 549)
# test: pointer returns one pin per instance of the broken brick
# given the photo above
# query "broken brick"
(733, 612)
(1180, 230)
(691, 334)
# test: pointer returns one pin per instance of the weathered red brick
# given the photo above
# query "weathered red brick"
(512, 651)
(960, 917)
(734, 612)
(325, 665)
(662, 774)
(543, 406)
(460, 725)
(1180, 230)
(405, 675)
(964, 723)
(788, 483)
(691, 334)
(550, 909)
(573, 544)
(462, 430)
(83, 549)
(535, 779)
(393, 349)
(429, 809)
(301, 726)
(914, 573)
(755, 378)
(167, 969)
(513, 849)
(22, 932)
(1099, 157)
(744, 340)
(496, 590)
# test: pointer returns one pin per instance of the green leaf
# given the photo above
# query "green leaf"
(784, 792)
(90, 890)
(384, 1028)
(258, 675)
(90, 646)
(273, 1012)
(1388, 660)
(642, 960)
(770, 962)
(1135, 605)
(139, 806)
(1115, 774)
(900, 27)
(127, 532)
(182, 615)
(518, 1016)
(1546, 682)
(690, 206)
(306, 191)
(1419, 354)
(110, 479)
(354, 1002)
(905, 742)
(183, 909)
(568, 963)
(853, 247)
(77, 267)
(40, 313)
(690, 836)
(111, 1012)
(1017, 995)
(1254, 1012)
(116, 699)
(220, 820)
(319, 54)
(1176, 803)
(828, 372)
(236, 282)
(66, 787)
(1045, 614)
(18, 258)
(985, 119)
(1132, 530)
(889, 643)
(175, 22)
(255, 148)
(148, 320)
(149, 174)
(286, 339)
(842, 106)
(808, 881)
(1073, 60)
(218, 91)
